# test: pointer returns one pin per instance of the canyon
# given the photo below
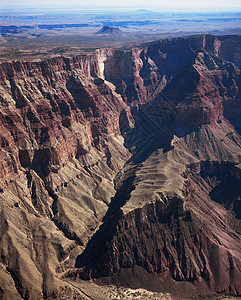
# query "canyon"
(122, 168)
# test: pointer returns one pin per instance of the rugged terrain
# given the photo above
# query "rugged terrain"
(122, 167)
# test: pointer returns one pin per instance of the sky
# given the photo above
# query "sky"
(124, 3)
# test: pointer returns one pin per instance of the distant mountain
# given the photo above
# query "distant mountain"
(143, 11)
(109, 30)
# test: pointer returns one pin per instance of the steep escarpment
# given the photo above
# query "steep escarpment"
(60, 151)
(117, 167)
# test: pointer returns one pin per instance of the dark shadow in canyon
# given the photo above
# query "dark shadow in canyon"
(224, 179)
(108, 228)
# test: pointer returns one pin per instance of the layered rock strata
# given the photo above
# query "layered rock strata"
(117, 167)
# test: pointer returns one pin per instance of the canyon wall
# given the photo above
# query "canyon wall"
(117, 167)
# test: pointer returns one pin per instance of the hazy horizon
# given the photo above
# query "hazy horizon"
(122, 4)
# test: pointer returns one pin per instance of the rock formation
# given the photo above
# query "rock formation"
(122, 167)
(109, 30)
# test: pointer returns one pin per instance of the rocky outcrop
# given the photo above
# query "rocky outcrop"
(117, 167)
